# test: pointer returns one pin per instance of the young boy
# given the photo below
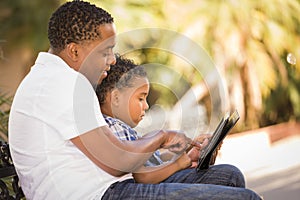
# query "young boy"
(122, 97)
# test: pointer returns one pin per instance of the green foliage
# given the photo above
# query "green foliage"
(283, 103)
(23, 27)
(129, 14)
(24, 23)
(5, 103)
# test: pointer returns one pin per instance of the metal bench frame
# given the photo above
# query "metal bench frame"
(9, 182)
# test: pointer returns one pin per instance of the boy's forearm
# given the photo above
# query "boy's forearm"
(153, 175)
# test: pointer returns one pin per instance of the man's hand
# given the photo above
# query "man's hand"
(176, 142)
(203, 139)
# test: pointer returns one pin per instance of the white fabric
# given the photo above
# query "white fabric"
(53, 104)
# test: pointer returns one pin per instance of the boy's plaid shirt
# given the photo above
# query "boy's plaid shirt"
(125, 132)
(120, 129)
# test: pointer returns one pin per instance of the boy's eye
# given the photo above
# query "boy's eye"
(142, 99)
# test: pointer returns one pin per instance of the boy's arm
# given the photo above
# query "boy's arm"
(153, 175)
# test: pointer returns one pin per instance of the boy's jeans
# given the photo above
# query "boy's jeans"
(218, 182)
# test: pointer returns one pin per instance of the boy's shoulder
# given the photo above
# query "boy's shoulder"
(109, 120)
(113, 122)
(120, 129)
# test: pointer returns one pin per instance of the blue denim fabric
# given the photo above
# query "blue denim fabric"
(217, 182)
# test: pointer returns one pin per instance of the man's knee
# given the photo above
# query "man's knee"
(237, 178)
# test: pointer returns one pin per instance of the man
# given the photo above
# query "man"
(60, 144)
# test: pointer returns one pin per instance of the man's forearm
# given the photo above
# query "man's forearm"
(116, 156)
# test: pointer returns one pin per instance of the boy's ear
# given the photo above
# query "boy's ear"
(115, 97)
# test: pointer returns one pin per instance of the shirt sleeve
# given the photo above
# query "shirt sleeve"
(70, 106)
(86, 109)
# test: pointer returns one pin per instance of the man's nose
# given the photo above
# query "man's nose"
(112, 59)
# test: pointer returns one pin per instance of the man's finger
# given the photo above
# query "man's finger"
(195, 144)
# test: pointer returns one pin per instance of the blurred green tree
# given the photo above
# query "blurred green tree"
(249, 42)
(5, 103)
(24, 23)
(23, 33)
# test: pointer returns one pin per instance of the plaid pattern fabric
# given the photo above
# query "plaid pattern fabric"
(120, 129)
(125, 132)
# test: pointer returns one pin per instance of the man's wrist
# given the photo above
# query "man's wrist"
(162, 137)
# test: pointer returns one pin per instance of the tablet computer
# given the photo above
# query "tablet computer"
(223, 128)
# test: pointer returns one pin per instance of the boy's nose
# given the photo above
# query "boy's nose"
(146, 106)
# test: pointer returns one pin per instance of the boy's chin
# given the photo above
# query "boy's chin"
(134, 124)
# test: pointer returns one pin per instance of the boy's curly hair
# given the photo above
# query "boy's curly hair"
(119, 76)
(76, 21)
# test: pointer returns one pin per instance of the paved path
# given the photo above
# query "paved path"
(271, 169)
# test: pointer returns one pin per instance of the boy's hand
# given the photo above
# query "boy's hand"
(184, 161)
(195, 152)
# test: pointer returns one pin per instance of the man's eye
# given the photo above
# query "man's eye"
(107, 53)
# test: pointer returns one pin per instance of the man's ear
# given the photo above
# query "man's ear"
(72, 51)
(115, 97)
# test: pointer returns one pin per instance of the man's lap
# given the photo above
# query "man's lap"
(187, 184)
(226, 175)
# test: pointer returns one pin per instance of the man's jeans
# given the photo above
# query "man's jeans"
(217, 182)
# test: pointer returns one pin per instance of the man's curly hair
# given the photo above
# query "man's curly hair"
(121, 75)
(76, 21)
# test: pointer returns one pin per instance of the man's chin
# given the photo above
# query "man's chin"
(102, 77)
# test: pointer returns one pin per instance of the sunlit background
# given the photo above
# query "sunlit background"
(254, 44)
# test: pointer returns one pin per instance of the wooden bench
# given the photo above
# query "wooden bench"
(9, 182)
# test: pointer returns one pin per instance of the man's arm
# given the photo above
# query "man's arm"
(118, 157)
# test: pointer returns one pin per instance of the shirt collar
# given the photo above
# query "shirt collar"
(45, 57)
